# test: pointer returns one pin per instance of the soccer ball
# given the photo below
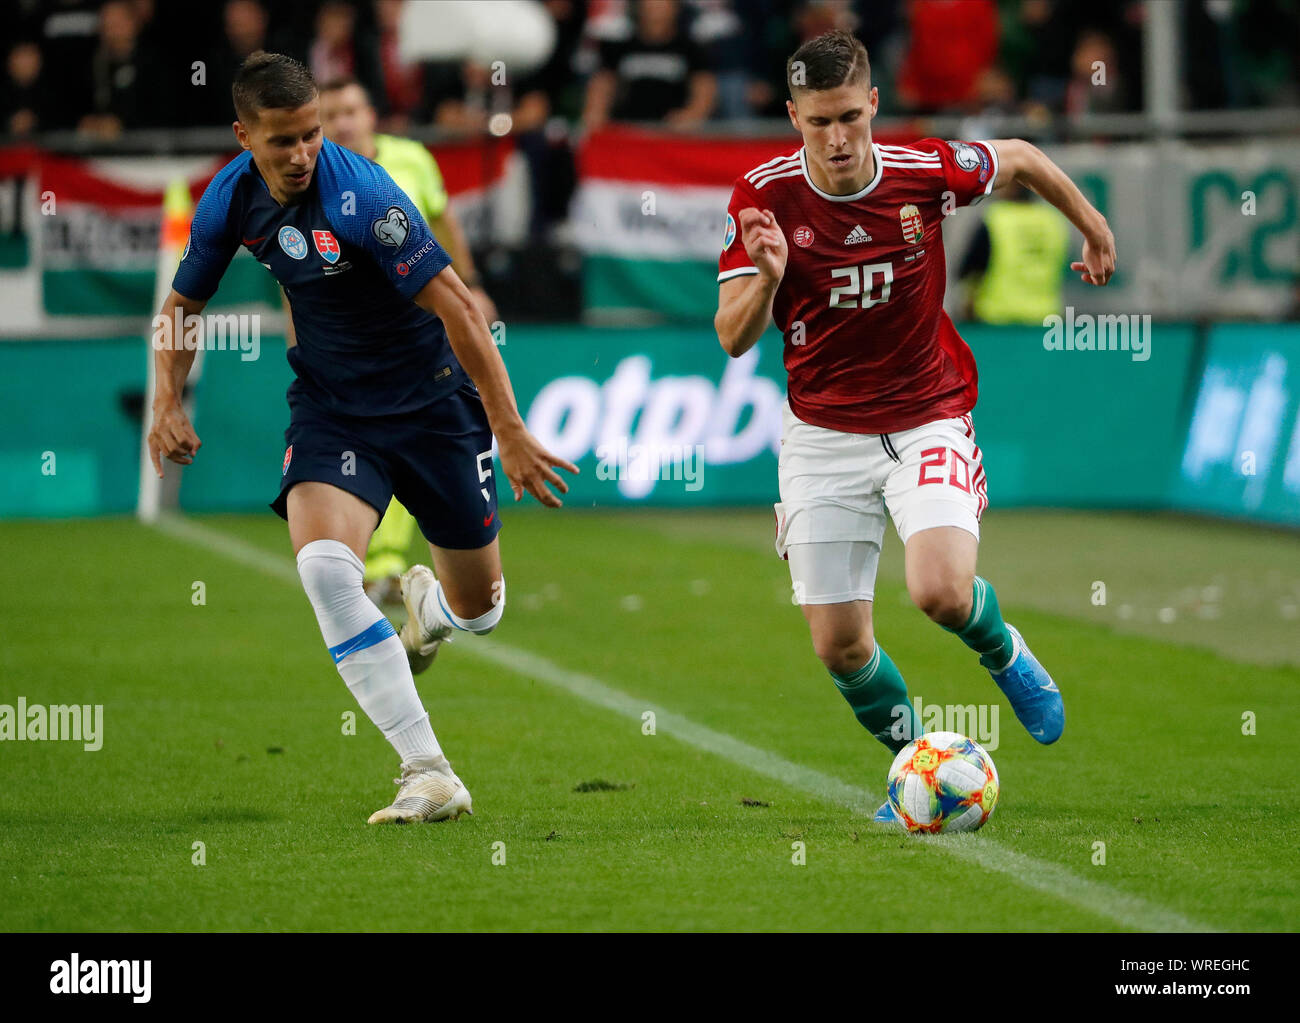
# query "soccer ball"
(943, 782)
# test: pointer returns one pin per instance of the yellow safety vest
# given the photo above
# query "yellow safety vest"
(1028, 252)
(416, 172)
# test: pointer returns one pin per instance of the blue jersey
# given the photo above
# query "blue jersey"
(351, 255)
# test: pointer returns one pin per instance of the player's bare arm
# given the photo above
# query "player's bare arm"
(745, 303)
(527, 465)
(451, 236)
(172, 435)
(1022, 161)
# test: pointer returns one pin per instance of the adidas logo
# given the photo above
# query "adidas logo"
(857, 236)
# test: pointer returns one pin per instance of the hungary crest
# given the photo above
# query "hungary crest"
(913, 229)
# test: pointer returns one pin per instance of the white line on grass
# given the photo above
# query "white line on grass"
(978, 849)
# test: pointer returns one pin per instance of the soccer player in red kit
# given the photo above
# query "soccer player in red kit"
(839, 242)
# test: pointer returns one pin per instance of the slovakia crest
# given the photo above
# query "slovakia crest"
(292, 241)
(913, 229)
(326, 245)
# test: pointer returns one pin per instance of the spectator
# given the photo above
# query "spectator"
(1037, 40)
(951, 44)
(22, 95)
(146, 24)
(995, 102)
(464, 97)
(1052, 49)
(1267, 32)
(542, 97)
(657, 75)
(244, 22)
(331, 53)
(1210, 69)
(121, 94)
(731, 50)
(337, 51)
(244, 31)
(545, 92)
(1096, 82)
(401, 83)
(816, 17)
(69, 32)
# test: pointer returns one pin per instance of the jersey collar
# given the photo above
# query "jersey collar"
(880, 169)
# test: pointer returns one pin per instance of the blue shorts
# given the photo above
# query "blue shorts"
(437, 461)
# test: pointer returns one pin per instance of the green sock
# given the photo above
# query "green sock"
(878, 696)
(986, 633)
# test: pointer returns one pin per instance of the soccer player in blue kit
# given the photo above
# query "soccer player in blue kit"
(398, 389)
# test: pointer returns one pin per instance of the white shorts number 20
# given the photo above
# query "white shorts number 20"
(836, 487)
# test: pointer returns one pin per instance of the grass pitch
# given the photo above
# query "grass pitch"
(749, 806)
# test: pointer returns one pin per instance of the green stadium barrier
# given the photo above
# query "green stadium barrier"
(1241, 457)
(1057, 428)
(68, 447)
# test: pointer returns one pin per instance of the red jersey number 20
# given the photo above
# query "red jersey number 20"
(870, 282)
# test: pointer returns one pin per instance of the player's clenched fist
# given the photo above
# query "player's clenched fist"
(763, 241)
(173, 436)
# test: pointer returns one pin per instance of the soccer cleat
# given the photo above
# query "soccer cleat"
(421, 645)
(1032, 693)
(425, 794)
(886, 815)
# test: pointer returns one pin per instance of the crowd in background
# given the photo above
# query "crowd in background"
(103, 66)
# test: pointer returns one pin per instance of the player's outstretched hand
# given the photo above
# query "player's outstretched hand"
(528, 466)
(172, 435)
(1098, 259)
(764, 241)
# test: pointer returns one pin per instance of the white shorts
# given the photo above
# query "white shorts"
(836, 487)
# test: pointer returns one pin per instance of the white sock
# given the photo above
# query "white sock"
(416, 744)
(436, 613)
(366, 650)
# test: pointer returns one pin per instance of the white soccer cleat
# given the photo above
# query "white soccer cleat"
(421, 645)
(426, 794)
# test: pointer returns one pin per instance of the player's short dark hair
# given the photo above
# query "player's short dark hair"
(828, 61)
(343, 82)
(271, 81)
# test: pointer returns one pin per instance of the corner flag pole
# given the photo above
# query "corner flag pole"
(178, 209)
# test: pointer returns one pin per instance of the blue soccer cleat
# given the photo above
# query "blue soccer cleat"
(1032, 693)
(886, 815)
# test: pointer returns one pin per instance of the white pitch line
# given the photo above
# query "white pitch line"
(978, 849)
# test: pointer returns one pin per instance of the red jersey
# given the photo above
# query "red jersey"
(868, 347)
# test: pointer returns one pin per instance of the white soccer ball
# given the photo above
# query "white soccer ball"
(943, 781)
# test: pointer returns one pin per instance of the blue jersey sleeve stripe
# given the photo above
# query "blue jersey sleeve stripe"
(377, 633)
